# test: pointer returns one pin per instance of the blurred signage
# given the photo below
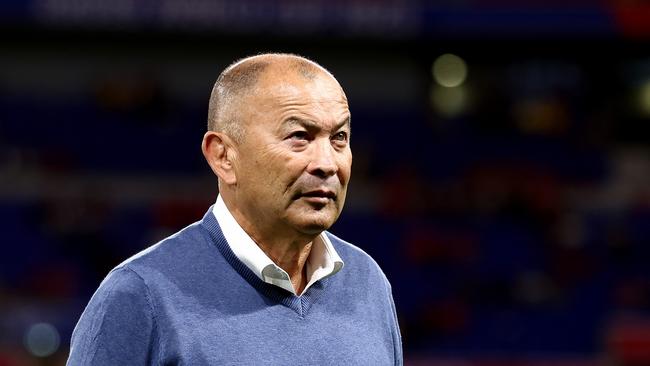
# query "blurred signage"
(398, 19)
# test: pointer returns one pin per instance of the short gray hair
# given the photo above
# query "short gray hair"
(240, 79)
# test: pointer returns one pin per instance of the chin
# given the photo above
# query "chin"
(312, 221)
(314, 228)
(314, 225)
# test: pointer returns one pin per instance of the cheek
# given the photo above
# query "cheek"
(276, 171)
(345, 168)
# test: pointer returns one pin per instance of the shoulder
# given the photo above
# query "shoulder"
(119, 316)
(119, 295)
(190, 261)
(158, 268)
(122, 313)
(170, 252)
(122, 279)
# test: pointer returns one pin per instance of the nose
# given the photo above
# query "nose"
(323, 159)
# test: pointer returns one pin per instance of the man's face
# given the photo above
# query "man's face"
(293, 165)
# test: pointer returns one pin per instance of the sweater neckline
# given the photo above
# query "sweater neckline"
(299, 304)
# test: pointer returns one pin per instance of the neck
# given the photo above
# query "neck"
(291, 257)
(288, 249)
(289, 252)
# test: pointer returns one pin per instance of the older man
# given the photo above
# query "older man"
(258, 280)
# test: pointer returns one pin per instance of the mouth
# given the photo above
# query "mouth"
(319, 196)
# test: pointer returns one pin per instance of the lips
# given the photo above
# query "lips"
(319, 193)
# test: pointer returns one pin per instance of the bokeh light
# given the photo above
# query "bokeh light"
(42, 339)
(507, 204)
(449, 70)
(449, 102)
(644, 98)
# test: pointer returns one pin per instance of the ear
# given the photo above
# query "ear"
(219, 151)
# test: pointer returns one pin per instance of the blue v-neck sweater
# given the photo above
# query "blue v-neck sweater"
(188, 300)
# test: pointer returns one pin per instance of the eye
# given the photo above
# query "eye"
(299, 135)
(340, 136)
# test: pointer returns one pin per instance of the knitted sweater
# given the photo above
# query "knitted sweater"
(188, 300)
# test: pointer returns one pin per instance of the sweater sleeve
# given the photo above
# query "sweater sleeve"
(397, 337)
(116, 328)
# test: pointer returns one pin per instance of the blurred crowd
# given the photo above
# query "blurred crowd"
(510, 210)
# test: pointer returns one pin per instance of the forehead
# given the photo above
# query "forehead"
(281, 82)
(321, 93)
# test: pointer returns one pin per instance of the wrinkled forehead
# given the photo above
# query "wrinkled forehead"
(290, 85)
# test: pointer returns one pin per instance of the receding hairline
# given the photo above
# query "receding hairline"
(240, 78)
(303, 65)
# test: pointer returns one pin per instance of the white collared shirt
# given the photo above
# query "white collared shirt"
(323, 261)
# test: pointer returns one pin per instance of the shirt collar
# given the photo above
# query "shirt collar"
(323, 260)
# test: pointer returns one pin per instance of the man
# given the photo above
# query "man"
(258, 281)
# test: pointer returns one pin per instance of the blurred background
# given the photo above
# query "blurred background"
(501, 170)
